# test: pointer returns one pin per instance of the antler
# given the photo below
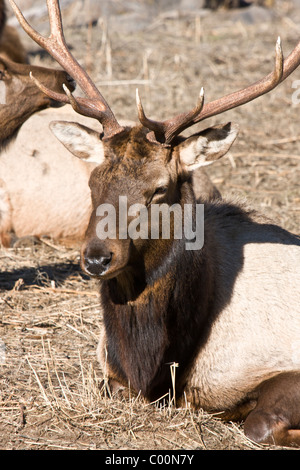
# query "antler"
(166, 131)
(94, 105)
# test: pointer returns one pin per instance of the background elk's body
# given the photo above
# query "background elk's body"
(27, 193)
(46, 197)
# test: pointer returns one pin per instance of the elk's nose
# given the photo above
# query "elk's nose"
(95, 266)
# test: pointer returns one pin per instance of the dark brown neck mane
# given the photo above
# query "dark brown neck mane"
(150, 317)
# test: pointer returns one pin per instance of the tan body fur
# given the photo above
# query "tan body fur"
(49, 193)
(245, 346)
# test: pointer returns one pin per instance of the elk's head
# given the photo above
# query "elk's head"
(149, 163)
(134, 174)
(20, 97)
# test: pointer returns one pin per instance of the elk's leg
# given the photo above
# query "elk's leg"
(276, 417)
(110, 381)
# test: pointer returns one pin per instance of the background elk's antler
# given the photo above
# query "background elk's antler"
(94, 105)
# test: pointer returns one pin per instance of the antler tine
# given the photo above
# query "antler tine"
(259, 88)
(94, 106)
(166, 131)
(291, 62)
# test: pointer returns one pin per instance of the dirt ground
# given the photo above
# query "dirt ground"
(50, 317)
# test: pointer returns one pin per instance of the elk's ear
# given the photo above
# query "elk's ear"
(83, 142)
(207, 146)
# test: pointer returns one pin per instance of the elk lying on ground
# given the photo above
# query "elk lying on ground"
(43, 188)
(23, 162)
(30, 173)
(33, 165)
(48, 195)
(228, 313)
(19, 100)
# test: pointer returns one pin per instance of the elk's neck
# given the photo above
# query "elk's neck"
(11, 123)
(150, 320)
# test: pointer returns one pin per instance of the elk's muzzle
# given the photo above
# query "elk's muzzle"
(104, 260)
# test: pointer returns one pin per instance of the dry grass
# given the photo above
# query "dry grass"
(50, 319)
(51, 392)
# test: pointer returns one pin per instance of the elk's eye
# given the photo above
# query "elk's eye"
(160, 191)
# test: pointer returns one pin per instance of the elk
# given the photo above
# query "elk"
(227, 314)
(21, 160)
(29, 200)
(48, 196)
(19, 100)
